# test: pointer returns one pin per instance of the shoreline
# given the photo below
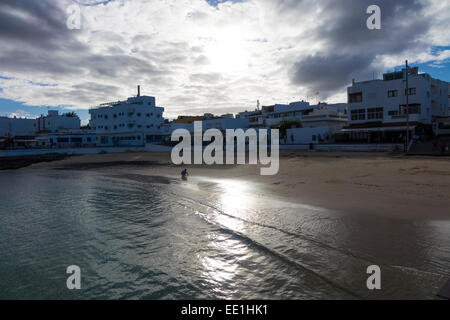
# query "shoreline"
(395, 186)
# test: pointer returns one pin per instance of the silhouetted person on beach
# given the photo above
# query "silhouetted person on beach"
(184, 174)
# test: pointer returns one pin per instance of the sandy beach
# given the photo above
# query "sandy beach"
(395, 186)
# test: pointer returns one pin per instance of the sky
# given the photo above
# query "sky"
(217, 56)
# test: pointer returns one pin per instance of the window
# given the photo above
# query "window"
(411, 91)
(355, 97)
(413, 109)
(392, 93)
(375, 113)
(393, 113)
(357, 115)
(138, 114)
(147, 115)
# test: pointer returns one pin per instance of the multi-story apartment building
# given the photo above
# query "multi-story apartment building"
(377, 108)
(309, 115)
(272, 115)
(127, 123)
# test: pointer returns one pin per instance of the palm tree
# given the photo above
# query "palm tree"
(70, 114)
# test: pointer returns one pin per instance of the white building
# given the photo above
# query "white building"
(127, 123)
(272, 115)
(221, 123)
(17, 127)
(74, 139)
(54, 122)
(208, 121)
(377, 108)
(333, 115)
(314, 135)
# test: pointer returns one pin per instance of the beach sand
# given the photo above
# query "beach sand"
(396, 186)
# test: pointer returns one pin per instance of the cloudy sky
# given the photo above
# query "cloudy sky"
(199, 56)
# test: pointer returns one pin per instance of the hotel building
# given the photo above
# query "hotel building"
(133, 122)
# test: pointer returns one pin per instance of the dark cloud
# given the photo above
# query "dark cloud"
(351, 49)
(36, 42)
(41, 24)
(326, 73)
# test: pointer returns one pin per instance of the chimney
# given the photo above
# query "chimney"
(139, 91)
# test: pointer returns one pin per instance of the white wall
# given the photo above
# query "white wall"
(375, 94)
(136, 115)
(307, 135)
(17, 127)
(54, 122)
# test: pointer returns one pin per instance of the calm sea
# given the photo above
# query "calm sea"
(137, 236)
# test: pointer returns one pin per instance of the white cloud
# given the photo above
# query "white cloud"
(20, 114)
(192, 56)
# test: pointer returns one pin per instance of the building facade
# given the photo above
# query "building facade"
(272, 115)
(133, 122)
(53, 122)
(76, 139)
(377, 108)
(17, 127)
(310, 116)
(17, 132)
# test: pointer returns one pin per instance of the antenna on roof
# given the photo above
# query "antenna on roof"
(257, 105)
(139, 91)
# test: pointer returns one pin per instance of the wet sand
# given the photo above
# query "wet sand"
(416, 188)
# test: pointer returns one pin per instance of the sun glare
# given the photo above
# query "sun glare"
(227, 52)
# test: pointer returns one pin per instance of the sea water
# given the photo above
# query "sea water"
(141, 236)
